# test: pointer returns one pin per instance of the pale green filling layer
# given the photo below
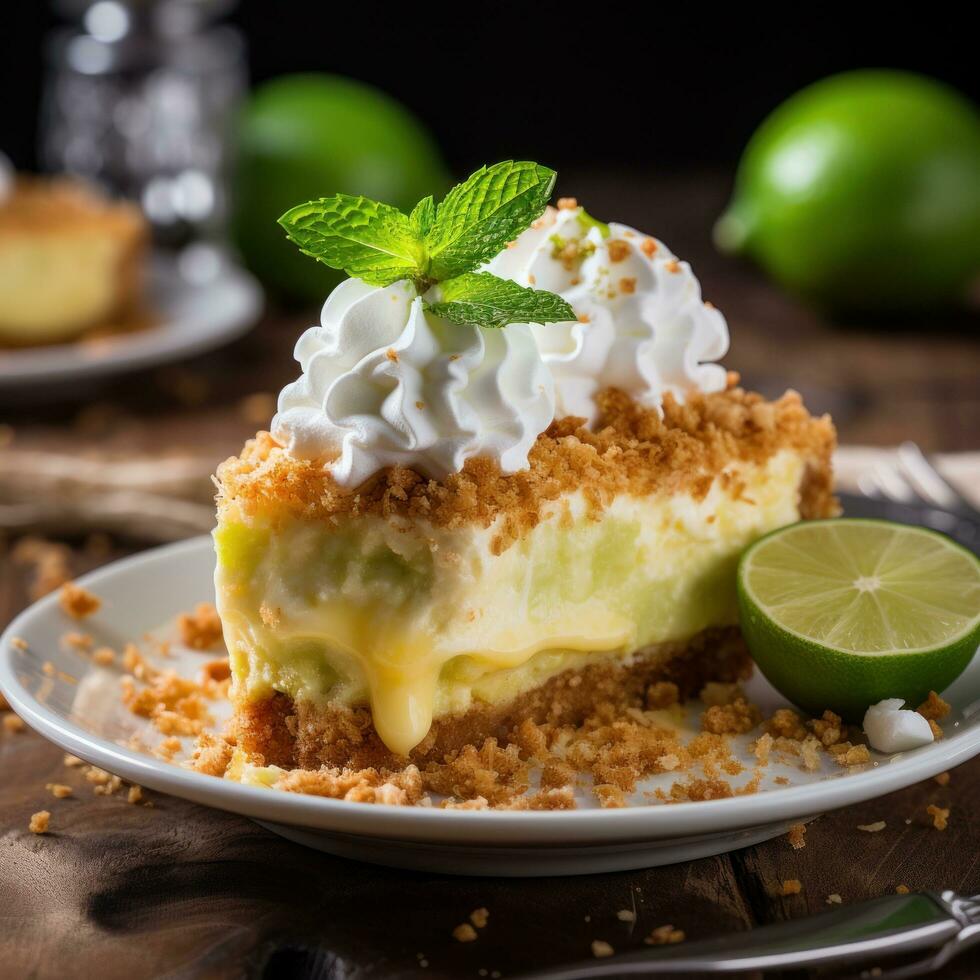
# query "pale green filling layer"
(420, 621)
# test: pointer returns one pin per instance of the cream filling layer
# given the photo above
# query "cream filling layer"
(52, 287)
(419, 621)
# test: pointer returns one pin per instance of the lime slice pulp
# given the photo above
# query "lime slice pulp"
(843, 613)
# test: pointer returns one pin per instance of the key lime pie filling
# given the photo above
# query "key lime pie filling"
(453, 527)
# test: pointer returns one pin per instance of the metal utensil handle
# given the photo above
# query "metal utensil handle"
(885, 926)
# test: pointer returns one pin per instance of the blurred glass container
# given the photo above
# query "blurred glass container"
(142, 99)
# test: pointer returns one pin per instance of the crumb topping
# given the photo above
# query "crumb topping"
(201, 629)
(797, 836)
(78, 602)
(664, 936)
(40, 822)
(631, 451)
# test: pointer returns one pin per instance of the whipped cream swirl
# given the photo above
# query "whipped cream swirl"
(387, 383)
(642, 325)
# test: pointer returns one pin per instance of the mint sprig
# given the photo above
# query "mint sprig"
(367, 239)
(438, 244)
(489, 301)
(480, 216)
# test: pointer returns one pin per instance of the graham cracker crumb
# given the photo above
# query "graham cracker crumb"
(216, 671)
(77, 602)
(40, 822)
(791, 886)
(761, 748)
(852, 755)
(104, 656)
(632, 449)
(135, 794)
(59, 790)
(665, 936)
(610, 797)
(662, 694)
(934, 708)
(940, 816)
(626, 915)
(618, 250)
(72, 761)
(19, 643)
(567, 204)
(716, 693)
(212, 754)
(873, 828)
(73, 640)
(828, 728)
(902, 889)
(464, 933)
(942, 779)
(479, 917)
(200, 630)
(601, 949)
(731, 719)
(834, 899)
(648, 247)
(785, 723)
(797, 836)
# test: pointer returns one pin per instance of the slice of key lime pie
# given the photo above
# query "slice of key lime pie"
(509, 483)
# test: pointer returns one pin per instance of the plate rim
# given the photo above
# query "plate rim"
(54, 363)
(479, 827)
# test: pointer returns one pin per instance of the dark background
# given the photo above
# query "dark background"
(646, 87)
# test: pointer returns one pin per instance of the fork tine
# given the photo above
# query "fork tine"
(928, 482)
(892, 484)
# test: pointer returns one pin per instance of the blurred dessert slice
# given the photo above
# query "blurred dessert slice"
(70, 260)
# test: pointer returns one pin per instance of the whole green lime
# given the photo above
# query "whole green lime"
(312, 135)
(862, 192)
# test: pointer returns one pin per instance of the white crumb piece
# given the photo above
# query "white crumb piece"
(626, 915)
(891, 729)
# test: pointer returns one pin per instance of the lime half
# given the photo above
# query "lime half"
(841, 614)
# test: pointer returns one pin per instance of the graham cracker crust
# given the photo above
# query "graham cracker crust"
(308, 735)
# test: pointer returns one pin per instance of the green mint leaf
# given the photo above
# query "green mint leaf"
(481, 215)
(587, 221)
(487, 301)
(423, 216)
(366, 239)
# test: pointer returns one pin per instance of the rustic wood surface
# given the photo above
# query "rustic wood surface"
(179, 890)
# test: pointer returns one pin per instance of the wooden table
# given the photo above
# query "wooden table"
(179, 890)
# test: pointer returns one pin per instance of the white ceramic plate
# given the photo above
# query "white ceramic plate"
(202, 300)
(143, 592)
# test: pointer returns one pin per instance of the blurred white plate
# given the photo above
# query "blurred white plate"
(201, 299)
(86, 717)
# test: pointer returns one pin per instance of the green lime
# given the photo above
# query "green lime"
(841, 614)
(308, 136)
(862, 192)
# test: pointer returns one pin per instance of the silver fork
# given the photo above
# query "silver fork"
(940, 926)
(913, 479)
